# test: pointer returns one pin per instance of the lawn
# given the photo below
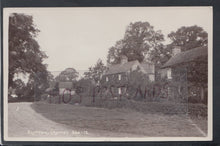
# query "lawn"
(96, 122)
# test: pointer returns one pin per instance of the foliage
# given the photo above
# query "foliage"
(169, 108)
(50, 77)
(189, 37)
(19, 87)
(139, 39)
(69, 74)
(160, 55)
(95, 73)
(56, 87)
(25, 55)
(37, 84)
(198, 77)
(198, 72)
(137, 83)
(141, 88)
(84, 86)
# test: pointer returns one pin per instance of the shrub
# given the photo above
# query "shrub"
(148, 107)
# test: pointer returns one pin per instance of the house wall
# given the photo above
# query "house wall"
(134, 67)
(151, 77)
(180, 88)
(113, 79)
(117, 85)
(177, 84)
(150, 67)
(163, 73)
(114, 82)
(66, 91)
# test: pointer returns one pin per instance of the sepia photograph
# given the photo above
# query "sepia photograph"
(108, 74)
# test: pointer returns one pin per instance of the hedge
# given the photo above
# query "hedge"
(165, 107)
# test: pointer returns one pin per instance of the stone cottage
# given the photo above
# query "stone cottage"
(176, 72)
(119, 72)
(65, 88)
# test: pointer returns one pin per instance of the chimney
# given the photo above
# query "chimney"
(146, 57)
(124, 59)
(176, 50)
(107, 64)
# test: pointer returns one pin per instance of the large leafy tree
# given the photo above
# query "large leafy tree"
(160, 54)
(25, 56)
(95, 73)
(68, 75)
(189, 37)
(139, 39)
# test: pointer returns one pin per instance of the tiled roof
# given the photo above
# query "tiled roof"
(119, 68)
(186, 56)
(67, 85)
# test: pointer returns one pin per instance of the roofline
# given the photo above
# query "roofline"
(182, 63)
(167, 66)
(115, 73)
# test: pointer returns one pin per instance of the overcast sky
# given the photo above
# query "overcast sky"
(78, 37)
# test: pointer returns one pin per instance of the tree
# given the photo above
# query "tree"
(25, 56)
(198, 76)
(189, 37)
(115, 52)
(50, 77)
(139, 85)
(95, 73)
(160, 55)
(20, 87)
(37, 84)
(139, 39)
(68, 75)
(84, 87)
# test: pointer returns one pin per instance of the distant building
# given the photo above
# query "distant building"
(65, 88)
(175, 70)
(119, 72)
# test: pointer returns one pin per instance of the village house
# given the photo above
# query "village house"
(176, 72)
(65, 88)
(119, 73)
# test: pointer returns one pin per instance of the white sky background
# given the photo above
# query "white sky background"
(78, 37)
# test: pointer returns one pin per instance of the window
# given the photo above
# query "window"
(151, 78)
(119, 77)
(169, 73)
(119, 91)
(106, 79)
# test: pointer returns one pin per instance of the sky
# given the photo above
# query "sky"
(78, 37)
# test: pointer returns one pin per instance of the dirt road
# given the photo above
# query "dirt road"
(24, 122)
(61, 120)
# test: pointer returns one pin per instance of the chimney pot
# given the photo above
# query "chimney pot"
(124, 59)
(176, 50)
